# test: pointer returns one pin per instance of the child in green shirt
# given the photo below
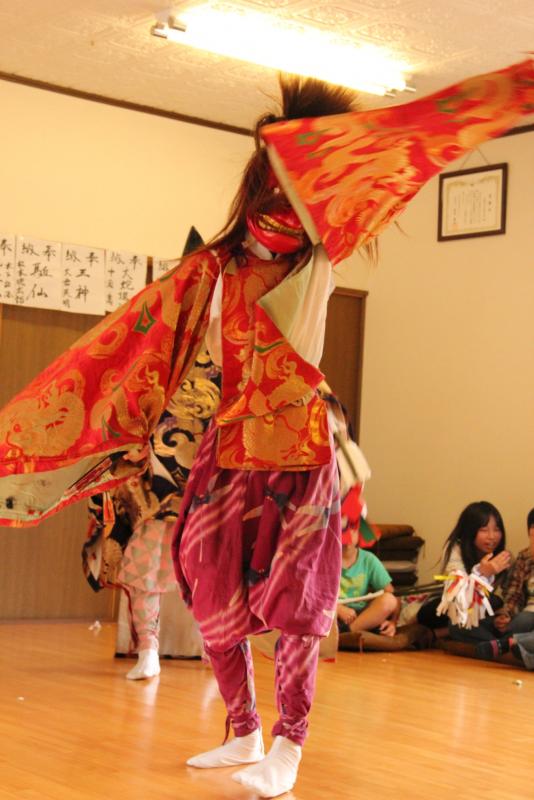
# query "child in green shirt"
(362, 573)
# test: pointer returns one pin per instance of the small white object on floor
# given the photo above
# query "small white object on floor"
(277, 773)
(147, 666)
(517, 682)
(21, 698)
(95, 626)
(240, 750)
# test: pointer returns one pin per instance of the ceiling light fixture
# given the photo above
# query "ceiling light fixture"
(269, 42)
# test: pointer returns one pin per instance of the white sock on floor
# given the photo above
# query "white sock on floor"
(147, 666)
(277, 772)
(240, 750)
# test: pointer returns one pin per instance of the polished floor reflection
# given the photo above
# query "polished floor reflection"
(424, 726)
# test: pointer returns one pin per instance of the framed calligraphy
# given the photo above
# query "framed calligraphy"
(472, 202)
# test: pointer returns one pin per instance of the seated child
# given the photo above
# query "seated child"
(475, 561)
(362, 573)
(517, 613)
(516, 619)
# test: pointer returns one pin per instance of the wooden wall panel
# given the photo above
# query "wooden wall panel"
(40, 568)
(342, 361)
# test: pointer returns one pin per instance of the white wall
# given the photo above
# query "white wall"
(93, 174)
(448, 383)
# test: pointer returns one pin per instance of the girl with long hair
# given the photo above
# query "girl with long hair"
(475, 561)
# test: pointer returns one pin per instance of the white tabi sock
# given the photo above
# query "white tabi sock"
(240, 750)
(277, 772)
(147, 666)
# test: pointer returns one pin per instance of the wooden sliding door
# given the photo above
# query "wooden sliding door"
(40, 568)
(342, 361)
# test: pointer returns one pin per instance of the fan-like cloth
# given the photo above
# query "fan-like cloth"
(79, 426)
(349, 175)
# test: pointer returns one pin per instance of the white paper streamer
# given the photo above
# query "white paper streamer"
(465, 599)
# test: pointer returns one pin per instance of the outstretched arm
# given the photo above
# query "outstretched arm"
(349, 175)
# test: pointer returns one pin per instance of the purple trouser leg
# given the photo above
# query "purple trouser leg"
(296, 669)
(235, 675)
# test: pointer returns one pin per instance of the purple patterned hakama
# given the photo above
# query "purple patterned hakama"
(253, 551)
(257, 550)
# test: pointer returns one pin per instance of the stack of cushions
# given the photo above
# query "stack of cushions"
(398, 550)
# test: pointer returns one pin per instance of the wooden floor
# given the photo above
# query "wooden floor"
(404, 725)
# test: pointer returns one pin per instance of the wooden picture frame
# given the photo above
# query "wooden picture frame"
(472, 202)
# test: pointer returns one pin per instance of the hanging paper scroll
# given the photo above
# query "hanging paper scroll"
(82, 279)
(37, 273)
(76, 278)
(125, 276)
(7, 268)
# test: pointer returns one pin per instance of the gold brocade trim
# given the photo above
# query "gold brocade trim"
(294, 439)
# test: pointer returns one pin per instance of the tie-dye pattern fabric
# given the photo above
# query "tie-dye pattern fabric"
(296, 659)
(234, 671)
(295, 673)
(256, 550)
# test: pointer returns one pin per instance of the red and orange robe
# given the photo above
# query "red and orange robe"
(67, 435)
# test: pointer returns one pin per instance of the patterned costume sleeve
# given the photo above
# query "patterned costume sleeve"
(157, 494)
(349, 175)
(66, 435)
(514, 598)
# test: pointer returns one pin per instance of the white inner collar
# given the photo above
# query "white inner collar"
(258, 249)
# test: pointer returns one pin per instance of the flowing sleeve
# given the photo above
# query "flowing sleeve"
(349, 175)
(82, 425)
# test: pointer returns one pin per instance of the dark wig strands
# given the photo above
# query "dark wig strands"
(308, 97)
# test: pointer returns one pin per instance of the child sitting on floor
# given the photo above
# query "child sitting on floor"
(517, 613)
(475, 562)
(516, 619)
(474, 565)
(362, 573)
